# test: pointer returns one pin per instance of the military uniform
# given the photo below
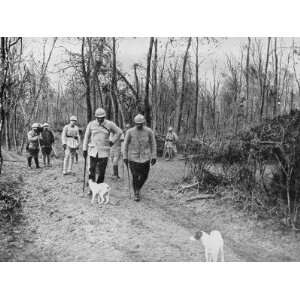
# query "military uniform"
(97, 143)
(71, 139)
(139, 152)
(46, 143)
(33, 147)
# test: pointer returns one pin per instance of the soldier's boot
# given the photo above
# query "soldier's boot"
(36, 160)
(29, 160)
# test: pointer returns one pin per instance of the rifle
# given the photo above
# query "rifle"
(84, 171)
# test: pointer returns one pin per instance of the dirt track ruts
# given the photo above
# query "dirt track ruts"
(60, 224)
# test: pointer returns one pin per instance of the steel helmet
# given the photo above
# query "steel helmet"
(35, 125)
(73, 118)
(139, 119)
(170, 128)
(100, 113)
(46, 125)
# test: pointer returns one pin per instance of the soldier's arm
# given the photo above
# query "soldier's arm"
(126, 144)
(116, 131)
(175, 136)
(64, 136)
(153, 144)
(31, 137)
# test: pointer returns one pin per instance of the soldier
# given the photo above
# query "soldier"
(98, 133)
(116, 153)
(46, 143)
(70, 140)
(170, 143)
(139, 153)
(33, 145)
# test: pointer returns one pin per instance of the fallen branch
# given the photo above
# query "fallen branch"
(17, 161)
(201, 197)
(269, 142)
(187, 187)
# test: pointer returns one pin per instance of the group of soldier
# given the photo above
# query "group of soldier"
(103, 139)
(40, 138)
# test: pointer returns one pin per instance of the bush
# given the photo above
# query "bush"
(245, 158)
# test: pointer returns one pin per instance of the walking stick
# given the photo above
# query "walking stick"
(122, 168)
(128, 181)
(84, 171)
(54, 152)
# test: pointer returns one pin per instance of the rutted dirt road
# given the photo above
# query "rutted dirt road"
(60, 224)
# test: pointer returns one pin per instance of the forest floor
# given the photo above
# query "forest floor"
(58, 222)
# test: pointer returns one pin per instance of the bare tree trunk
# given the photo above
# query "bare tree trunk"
(292, 100)
(294, 67)
(154, 89)
(137, 84)
(247, 78)
(7, 137)
(15, 127)
(114, 82)
(275, 92)
(146, 99)
(197, 88)
(86, 74)
(264, 81)
(179, 101)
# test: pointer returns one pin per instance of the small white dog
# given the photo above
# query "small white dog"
(213, 244)
(101, 190)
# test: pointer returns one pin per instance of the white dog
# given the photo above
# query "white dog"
(101, 190)
(213, 244)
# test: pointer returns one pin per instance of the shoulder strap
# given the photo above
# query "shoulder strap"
(105, 127)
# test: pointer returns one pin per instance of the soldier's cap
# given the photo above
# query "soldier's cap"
(139, 119)
(73, 118)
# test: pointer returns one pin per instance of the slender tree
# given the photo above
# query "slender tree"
(265, 75)
(197, 88)
(147, 103)
(179, 101)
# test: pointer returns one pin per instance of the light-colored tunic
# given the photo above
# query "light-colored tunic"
(139, 145)
(68, 136)
(99, 138)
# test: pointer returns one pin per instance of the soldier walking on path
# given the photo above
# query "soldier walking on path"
(70, 140)
(170, 143)
(98, 133)
(33, 145)
(139, 153)
(46, 143)
(116, 153)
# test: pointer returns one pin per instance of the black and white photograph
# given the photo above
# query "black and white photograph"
(150, 149)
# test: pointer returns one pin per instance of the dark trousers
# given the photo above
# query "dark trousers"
(46, 151)
(100, 164)
(139, 173)
(33, 153)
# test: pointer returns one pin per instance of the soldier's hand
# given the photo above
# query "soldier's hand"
(153, 161)
(126, 162)
(111, 143)
(84, 154)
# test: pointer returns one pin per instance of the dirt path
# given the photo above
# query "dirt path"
(60, 224)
